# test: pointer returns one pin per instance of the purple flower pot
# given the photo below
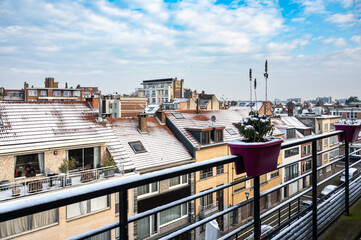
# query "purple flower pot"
(257, 158)
(351, 131)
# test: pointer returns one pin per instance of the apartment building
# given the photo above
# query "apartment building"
(36, 138)
(118, 106)
(152, 147)
(206, 139)
(52, 93)
(88, 92)
(323, 124)
(13, 95)
(159, 91)
(293, 129)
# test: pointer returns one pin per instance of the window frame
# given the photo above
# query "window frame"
(131, 144)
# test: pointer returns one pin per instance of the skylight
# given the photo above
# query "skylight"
(178, 115)
(231, 131)
(137, 147)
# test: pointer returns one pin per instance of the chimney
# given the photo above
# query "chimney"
(26, 85)
(142, 124)
(66, 85)
(161, 116)
(198, 105)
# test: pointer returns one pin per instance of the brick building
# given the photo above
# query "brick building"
(117, 106)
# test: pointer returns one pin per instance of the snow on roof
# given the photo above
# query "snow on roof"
(151, 109)
(161, 146)
(44, 125)
(225, 118)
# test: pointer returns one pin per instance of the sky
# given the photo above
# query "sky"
(313, 47)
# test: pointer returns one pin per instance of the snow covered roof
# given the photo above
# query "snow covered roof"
(225, 118)
(44, 125)
(151, 109)
(161, 147)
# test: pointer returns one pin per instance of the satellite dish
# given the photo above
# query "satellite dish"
(213, 119)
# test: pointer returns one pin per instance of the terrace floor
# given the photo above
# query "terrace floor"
(345, 227)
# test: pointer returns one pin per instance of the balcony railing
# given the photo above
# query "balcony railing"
(301, 216)
(51, 183)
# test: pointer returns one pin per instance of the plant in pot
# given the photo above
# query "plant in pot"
(258, 149)
(109, 166)
(66, 166)
(16, 190)
(351, 128)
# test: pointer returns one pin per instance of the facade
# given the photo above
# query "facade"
(52, 93)
(152, 146)
(323, 124)
(13, 95)
(117, 106)
(346, 112)
(35, 140)
(204, 140)
(88, 92)
(159, 91)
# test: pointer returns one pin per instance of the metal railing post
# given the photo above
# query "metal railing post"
(123, 215)
(256, 209)
(314, 189)
(347, 180)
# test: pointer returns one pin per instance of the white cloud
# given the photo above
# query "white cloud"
(356, 39)
(342, 19)
(312, 6)
(338, 42)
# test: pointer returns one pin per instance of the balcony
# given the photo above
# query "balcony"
(300, 214)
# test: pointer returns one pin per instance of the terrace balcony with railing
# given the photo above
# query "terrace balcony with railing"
(305, 214)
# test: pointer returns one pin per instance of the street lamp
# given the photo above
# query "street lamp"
(247, 195)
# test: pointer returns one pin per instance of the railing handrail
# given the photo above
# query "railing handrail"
(16, 209)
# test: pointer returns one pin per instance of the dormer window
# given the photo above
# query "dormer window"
(291, 133)
(217, 135)
(231, 131)
(205, 138)
(202, 135)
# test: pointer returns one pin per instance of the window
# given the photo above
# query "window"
(110, 105)
(206, 173)
(205, 138)
(218, 135)
(43, 93)
(87, 158)
(33, 93)
(334, 154)
(27, 223)
(173, 213)
(306, 149)
(219, 170)
(291, 152)
(57, 93)
(148, 189)
(326, 127)
(263, 178)
(178, 115)
(319, 128)
(76, 93)
(231, 131)
(87, 206)
(291, 133)
(146, 227)
(233, 217)
(275, 173)
(239, 186)
(306, 166)
(137, 147)
(325, 142)
(206, 201)
(153, 93)
(166, 93)
(325, 157)
(67, 93)
(332, 127)
(291, 172)
(179, 180)
(29, 165)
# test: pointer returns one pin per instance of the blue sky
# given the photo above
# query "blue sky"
(313, 47)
